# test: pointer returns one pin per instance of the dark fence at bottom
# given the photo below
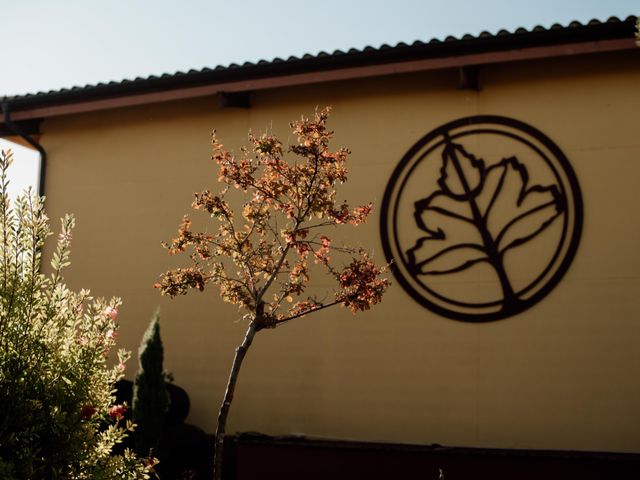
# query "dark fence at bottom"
(260, 457)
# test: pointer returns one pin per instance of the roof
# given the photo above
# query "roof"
(595, 36)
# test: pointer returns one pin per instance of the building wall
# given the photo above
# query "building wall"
(561, 375)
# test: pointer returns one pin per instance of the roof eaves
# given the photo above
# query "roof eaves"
(575, 32)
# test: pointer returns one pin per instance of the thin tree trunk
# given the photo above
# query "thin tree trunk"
(241, 351)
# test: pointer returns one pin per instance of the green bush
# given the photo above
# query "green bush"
(150, 397)
(57, 418)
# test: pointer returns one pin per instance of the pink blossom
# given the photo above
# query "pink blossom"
(117, 411)
(111, 312)
(111, 334)
(88, 411)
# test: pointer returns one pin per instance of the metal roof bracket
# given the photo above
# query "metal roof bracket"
(468, 77)
(234, 99)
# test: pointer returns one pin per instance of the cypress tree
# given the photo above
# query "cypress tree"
(150, 397)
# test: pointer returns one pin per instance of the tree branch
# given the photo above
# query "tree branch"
(313, 310)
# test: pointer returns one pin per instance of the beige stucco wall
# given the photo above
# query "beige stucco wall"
(562, 375)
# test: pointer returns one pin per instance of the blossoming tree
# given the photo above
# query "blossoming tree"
(262, 260)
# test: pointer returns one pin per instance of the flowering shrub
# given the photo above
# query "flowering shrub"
(56, 414)
(262, 259)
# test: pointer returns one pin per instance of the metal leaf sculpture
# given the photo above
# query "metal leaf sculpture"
(459, 220)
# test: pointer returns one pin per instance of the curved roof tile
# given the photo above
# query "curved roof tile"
(613, 27)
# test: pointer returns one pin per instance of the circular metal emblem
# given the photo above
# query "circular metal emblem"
(481, 218)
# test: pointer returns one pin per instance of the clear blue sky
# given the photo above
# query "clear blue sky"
(50, 44)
